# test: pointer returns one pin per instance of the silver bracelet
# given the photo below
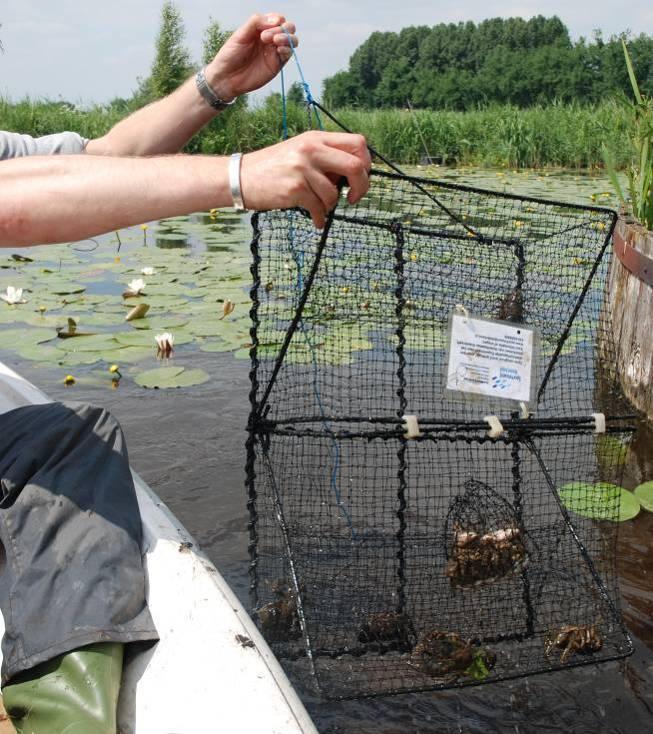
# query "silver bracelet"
(234, 182)
(207, 93)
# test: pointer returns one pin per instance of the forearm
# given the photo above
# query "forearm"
(67, 198)
(162, 127)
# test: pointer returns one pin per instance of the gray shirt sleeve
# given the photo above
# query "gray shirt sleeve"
(14, 145)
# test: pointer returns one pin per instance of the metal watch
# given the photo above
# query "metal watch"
(208, 95)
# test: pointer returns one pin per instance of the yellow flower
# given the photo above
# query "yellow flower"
(42, 309)
(114, 368)
(68, 380)
(143, 226)
(413, 256)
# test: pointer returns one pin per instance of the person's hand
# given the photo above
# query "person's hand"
(304, 171)
(252, 56)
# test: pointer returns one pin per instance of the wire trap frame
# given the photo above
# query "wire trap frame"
(390, 554)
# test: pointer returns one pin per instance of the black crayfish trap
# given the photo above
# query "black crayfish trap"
(380, 563)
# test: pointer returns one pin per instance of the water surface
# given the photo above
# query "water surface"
(188, 444)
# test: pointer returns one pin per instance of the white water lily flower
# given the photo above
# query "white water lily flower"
(13, 295)
(147, 271)
(136, 286)
(164, 344)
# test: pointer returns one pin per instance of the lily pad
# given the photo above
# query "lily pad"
(65, 289)
(168, 377)
(600, 501)
(14, 338)
(134, 338)
(131, 354)
(215, 346)
(40, 353)
(76, 359)
(644, 494)
(93, 343)
(610, 451)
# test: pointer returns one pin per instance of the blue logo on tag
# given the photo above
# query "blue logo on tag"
(505, 377)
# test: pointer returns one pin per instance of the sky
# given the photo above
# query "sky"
(86, 51)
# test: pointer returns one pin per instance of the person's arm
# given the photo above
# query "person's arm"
(250, 58)
(67, 198)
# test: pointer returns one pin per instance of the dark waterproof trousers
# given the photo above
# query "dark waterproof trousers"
(71, 571)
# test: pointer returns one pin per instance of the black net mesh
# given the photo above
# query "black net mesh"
(382, 564)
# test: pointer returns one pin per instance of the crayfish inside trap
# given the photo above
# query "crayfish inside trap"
(583, 639)
(279, 619)
(480, 559)
(487, 543)
(387, 629)
(446, 655)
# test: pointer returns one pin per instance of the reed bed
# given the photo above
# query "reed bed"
(570, 136)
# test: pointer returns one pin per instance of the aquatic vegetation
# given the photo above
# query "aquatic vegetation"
(138, 312)
(165, 344)
(610, 451)
(135, 287)
(567, 135)
(13, 295)
(640, 171)
(600, 501)
(169, 377)
(201, 294)
(644, 493)
(227, 307)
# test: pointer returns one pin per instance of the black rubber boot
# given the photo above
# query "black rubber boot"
(75, 693)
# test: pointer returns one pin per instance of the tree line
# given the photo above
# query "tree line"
(461, 66)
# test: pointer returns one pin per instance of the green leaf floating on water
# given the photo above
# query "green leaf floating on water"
(91, 343)
(644, 494)
(167, 377)
(215, 346)
(610, 451)
(600, 501)
(13, 338)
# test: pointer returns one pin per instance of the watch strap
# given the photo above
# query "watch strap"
(207, 93)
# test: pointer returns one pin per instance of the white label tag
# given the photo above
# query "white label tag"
(490, 358)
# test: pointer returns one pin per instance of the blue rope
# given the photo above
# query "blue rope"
(310, 100)
(284, 110)
(298, 257)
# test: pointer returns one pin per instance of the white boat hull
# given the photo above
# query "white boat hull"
(212, 671)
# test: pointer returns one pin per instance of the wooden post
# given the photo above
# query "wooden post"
(630, 305)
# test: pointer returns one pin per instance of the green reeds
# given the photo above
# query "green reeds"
(569, 136)
(640, 170)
